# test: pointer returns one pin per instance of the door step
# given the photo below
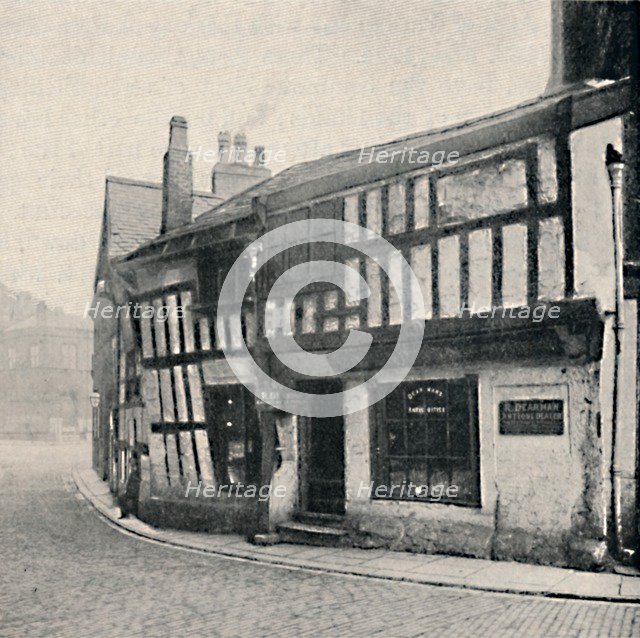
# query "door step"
(309, 534)
(317, 518)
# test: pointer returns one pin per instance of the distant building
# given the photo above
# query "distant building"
(45, 364)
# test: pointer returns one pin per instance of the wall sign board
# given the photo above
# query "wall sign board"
(532, 416)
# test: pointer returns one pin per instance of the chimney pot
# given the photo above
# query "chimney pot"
(240, 147)
(178, 133)
(259, 159)
(224, 145)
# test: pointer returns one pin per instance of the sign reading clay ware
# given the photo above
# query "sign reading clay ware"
(532, 416)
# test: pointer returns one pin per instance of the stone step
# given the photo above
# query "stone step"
(317, 518)
(309, 534)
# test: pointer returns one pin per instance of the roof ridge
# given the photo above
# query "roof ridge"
(127, 181)
(132, 182)
(442, 130)
(206, 194)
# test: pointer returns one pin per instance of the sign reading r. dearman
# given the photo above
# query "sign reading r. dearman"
(537, 416)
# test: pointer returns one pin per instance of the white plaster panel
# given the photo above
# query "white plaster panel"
(421, 266)
(397, 208)
(158, 467)
(551, 259)
(374, 301)
(204, 457)
(186, 300)
(195, 390)
(538, 481)
(449, 275)
(187, 458)
(158, 275)
(181, 395)
(480, 269)
(374, 211)
(174, 463)
(421, 201)
(592, 217)
(514, 265)
(172, 320)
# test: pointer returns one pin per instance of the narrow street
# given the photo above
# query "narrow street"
(65, 572)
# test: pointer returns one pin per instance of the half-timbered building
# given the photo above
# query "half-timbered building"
(521, 407)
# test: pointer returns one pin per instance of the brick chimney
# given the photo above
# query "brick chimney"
(177, 180)
(591, 40)
(233, 173)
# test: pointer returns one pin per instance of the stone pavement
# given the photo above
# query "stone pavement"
(451, 571)
(66, 572)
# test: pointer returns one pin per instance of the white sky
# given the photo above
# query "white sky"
(89, 87)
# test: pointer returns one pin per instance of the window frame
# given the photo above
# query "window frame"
(380, 457)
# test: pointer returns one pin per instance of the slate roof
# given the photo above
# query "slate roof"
(239, 206)
(325, 168)
(134, 212)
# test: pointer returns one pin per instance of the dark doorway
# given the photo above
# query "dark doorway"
(323, 476)
(232, 426)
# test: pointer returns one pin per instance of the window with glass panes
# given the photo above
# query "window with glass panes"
(427, 434)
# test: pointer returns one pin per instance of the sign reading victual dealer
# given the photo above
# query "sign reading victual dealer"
(532, 416)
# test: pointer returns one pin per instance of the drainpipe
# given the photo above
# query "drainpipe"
(615, 167)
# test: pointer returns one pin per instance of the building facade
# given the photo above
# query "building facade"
(46, 372)
(518, 421)
(135, 212)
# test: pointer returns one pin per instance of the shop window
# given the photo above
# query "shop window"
(426, 437)
(232, 425)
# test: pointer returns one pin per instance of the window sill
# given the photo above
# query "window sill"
(428, 501)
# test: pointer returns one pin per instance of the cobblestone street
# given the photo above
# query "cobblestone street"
(67, 573)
